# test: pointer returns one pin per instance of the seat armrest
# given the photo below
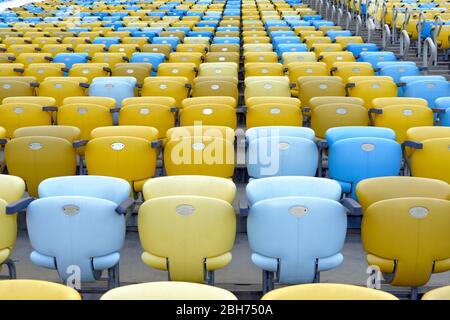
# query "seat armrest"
(18, 205)
(125, 206)
(353, 206)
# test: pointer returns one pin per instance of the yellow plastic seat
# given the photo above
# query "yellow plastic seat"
(255, 47)
(111, 58)
(327, 291)
(318, 101)
(192, 47)
(225, 47)
(74, 41)
(203, 131)
(213, 86)
(165, 49)
(190, 185)
(172, 231)
(11, 69)
(19, 49)
(7, 57)
(408, 239)
(130, 158)
(69, 133)
(43, 70)
(197, 40)
(11, 190)
(90, 70)
(329, 58)
(438, 294)
(186, 57)
(391, 101)
(212, 57)
(310, 33)
(42, 101)
(172, 290)
(311, 87)
(144, 132)
(332, 115)
(36, 158)
(9, 41)
(138, 41)
(210, 156)
(292, 57)
(345, 70)
(41, 41)
(174, 87)
(165, 101)
(54, 49)
(172, 69)
(140, 71)
(319, 48)
(268, 57)
(431, 159)
(84, 116)
(109, 103)
(306, 69)
(159, 116)
(371, 87)
(346, 40)
(127, 49)
(90, 48)
(62, 87)
(18, 115)
(208, 114)
(219, 69)
(273, 114)
(312, 41)
(401, 117)
(254, 101)
(227, 100)
(266, 87)
(373, 190)
(253, 69)
(36, 290)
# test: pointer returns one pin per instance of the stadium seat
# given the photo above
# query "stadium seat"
(166, 226)
(36, 290)
(405, 256)
(438, 294)
(17, 115)
(327, 291)
(172, 290)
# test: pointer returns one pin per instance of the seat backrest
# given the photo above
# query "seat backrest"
(36, 158)
(413, 233)
(19, 289)
(429, 90)
(327, 291)
(108, 188)
(75, 230)
(299, 232)
(292, 186)
(118, 88)
(207, 155)
(69, 133)
(373, 190)
(130, 158)
(339, 133)
(205, 186)
(166, 290)
(354, 159)
(281, 156)
(287, 131)
(433, 160)
(275, 114)
(174, 228)
(18, 115)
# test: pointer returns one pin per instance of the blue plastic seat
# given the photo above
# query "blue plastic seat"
(298, 23)
(107, 41)
(338, 33)
(76, 235)
(222, 40)
(286, 131)
(296, 238)
(205, 34)
(358, 48)
(108, 188)
(444, 103)
(339, 133)
(275, 23)
(429, 90)
(374, 57)
(173, 41)
(281, 156)
(291, 47)
(276, 41)
(292, 186)
(351, 160)
(71, 58)
(274, 34)
(320, 23)
(396, 71)
(148, 57)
